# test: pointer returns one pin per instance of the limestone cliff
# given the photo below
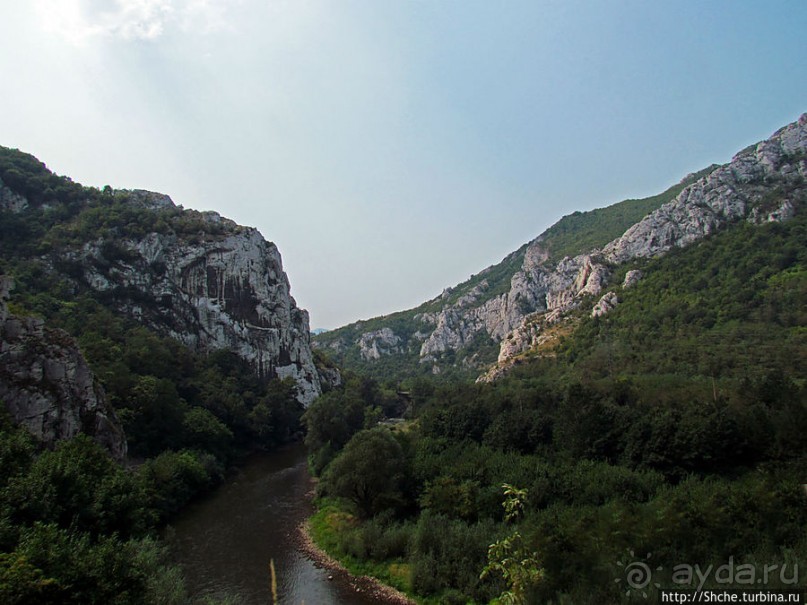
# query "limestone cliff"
(762, 183)
(765, 182)
(46, 385)
(194, 276)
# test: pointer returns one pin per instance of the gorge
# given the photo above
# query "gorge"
(639, 366)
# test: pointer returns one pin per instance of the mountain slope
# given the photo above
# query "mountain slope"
(509, 308)
(679, 411)
(195, 277)
(391, 345)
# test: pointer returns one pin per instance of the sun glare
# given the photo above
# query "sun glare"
(78, 21)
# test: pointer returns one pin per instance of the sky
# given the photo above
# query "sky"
(392, 148)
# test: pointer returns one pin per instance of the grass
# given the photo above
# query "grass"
(329, 524)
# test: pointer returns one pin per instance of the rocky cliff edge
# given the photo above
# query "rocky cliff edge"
(195, 276)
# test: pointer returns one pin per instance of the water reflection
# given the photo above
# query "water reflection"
(225, 542)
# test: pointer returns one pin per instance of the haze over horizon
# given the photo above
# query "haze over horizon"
(392, 149)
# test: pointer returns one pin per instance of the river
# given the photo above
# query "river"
(225, 542)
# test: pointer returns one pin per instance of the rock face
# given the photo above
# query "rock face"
(373, 345)
(47, 386)
(201, 279)
(534, 288)
(765, 182)
(607, 303)
(632, 278)
(226, 292)
(10, 200)
(740, 190)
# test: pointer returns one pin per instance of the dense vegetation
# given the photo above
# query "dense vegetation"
(187, 416)
(674, 427)
(75, 527)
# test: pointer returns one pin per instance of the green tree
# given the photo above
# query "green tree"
(510, 557)
(370, 472)
(276, 417)
(203, 430)
(154, 415)
(22, 583)
(330, 422)
(78, 485)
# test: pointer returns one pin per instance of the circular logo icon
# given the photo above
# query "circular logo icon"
(637, 575)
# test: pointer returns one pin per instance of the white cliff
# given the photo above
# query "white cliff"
(225, 292)
(762, 183)
(373, 345)
(199, 278)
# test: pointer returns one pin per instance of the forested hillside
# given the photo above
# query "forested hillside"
(75, 527)
(672, 429)
(513, 307)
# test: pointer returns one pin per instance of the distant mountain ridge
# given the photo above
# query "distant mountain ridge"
(511, 307)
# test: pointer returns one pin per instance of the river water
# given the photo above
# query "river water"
(226, 541)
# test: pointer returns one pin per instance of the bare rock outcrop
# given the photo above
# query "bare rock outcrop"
(632, 277)
(9, 200)
(760, 184)
(607, 303)
(196, 277)
(372, 345)
(224, 288)
(48, 388)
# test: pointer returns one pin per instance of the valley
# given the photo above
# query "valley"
(629, 381)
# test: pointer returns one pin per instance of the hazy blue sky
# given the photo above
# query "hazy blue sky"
(392, 148)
